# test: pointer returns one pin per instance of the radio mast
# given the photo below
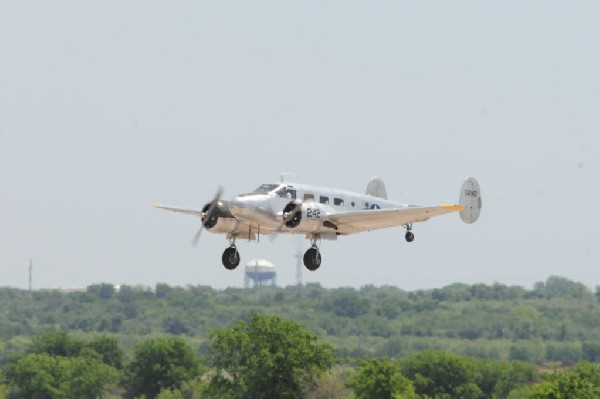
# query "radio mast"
(30, 274)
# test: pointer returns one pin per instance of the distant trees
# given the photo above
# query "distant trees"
(271, 357)
(267, 357)
(552, 322)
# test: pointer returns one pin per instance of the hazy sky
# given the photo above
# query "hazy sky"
(107, 107)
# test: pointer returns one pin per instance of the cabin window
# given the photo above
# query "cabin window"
(309, 197)
(338, 201)
(324, 200)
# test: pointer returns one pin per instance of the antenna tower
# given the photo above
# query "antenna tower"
(30, 274)
(283, 175)
(299, 255)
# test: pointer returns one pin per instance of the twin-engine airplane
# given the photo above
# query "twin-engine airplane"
(318, 213)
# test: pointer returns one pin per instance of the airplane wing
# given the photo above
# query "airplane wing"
(366, 220)
(189, 211)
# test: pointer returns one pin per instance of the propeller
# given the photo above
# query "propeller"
(207, 215)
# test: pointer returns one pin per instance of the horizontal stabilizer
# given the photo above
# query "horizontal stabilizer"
(470, 199)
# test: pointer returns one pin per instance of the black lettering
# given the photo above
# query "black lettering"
(313, 213)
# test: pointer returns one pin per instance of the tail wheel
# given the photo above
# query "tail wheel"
(312, 259)
(231, 258)
(409, 236)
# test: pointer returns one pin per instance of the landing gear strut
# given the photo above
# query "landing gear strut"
(312, 257)
(231, 256)
(409, 236)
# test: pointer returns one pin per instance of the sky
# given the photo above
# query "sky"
(107, 107)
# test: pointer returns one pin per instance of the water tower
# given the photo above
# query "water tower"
(261, 272)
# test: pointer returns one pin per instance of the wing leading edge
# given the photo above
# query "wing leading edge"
(359, 221)
(188, 211)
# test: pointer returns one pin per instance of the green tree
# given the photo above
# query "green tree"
(161, 363)
(189, 390)
(513, 375)
(57, 343)
(380, 378)
(444, 375)
(87, 378)
(267, 357)
(43, 376)
(580, 382)
(329, 385)
(109, 350)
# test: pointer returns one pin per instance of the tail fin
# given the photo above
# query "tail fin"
(470, 199)
(376, 188)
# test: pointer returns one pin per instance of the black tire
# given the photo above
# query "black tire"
(231, 258)
(312, 259)
(409, 236)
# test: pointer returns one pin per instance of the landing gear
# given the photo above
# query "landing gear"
(231, 256)
(409, 236)
(312, 257)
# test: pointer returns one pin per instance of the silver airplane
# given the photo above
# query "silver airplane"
(318, 213)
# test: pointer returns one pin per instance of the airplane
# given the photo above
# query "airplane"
(318, 213)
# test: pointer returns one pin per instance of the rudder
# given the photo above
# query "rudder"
(376, 188)
(470, 199)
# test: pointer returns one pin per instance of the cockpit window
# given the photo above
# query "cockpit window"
(265, 188)
(286, 192)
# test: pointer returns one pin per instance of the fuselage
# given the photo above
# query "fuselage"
(264, 207)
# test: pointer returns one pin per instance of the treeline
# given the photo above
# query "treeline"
(555, 321)
(270, 357)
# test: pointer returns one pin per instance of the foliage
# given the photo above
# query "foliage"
(580, 382)
(46, 376)
(267, 357)
(109, 350)
(59, 343)
(555, 321)
(329, 385)
(160, 363)
(56, 344)
(380, 378)
(189, 390)
(442, 375)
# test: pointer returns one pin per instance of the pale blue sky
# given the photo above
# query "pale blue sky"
(107, 107)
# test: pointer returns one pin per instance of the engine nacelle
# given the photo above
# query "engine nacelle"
(308, 217)
(220, 219)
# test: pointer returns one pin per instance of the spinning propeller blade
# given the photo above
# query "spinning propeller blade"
(207, 215)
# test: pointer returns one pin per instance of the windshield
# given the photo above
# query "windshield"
(265, 188)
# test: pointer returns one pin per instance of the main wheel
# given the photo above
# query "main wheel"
(409, 236)
(312, 259)
(231, 258)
